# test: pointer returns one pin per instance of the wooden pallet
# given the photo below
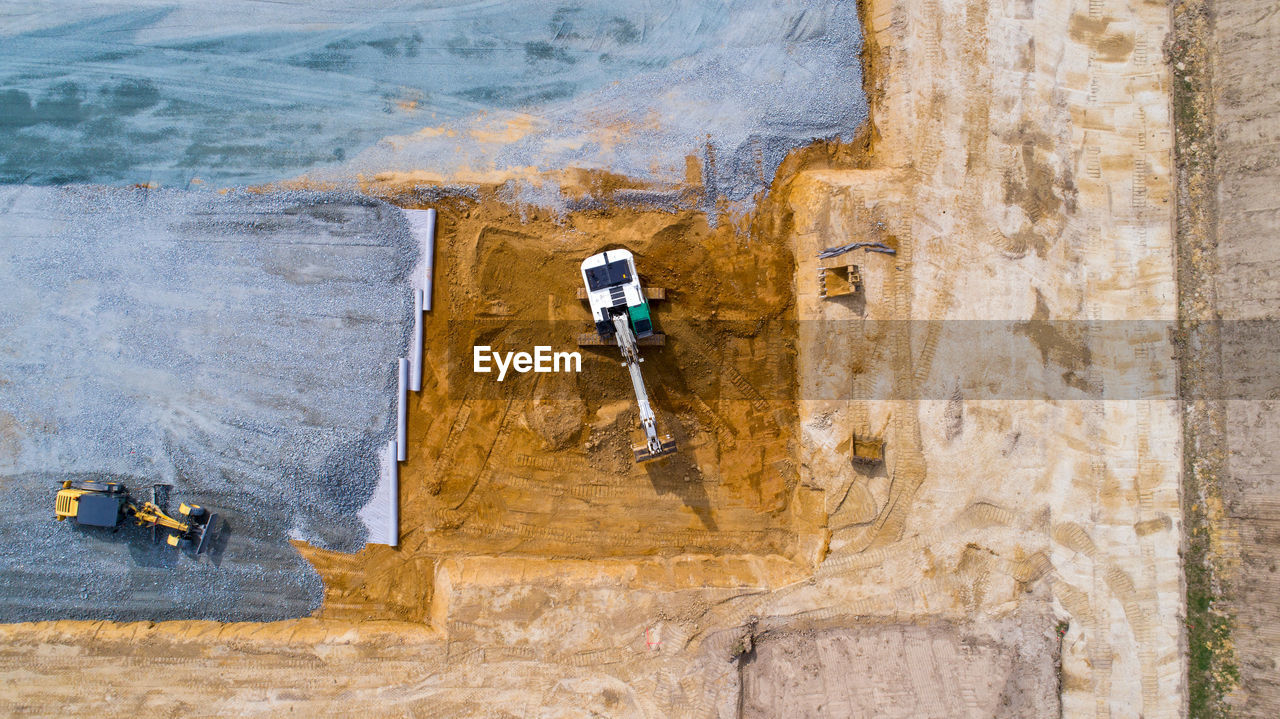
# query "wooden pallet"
(839, 280)
(867, 450)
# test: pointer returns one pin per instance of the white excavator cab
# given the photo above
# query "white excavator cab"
(613, 288)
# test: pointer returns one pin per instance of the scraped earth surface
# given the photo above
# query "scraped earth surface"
(1235, 259)
(1018, 162)
(1007, 668)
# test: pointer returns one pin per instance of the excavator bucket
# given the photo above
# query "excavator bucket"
(643, 454)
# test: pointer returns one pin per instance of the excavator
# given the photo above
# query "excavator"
(620, 310)
(93, 503)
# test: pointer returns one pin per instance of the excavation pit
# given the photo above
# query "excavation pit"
(541, 463)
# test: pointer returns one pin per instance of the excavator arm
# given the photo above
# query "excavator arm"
(654, 445)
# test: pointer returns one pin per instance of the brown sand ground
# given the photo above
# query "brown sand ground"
(547, 470)
(1019, 160)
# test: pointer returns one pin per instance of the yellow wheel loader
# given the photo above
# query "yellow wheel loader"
(91, 503)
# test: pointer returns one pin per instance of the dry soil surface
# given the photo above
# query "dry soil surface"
(1241, 254)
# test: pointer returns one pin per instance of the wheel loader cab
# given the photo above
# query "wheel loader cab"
(99, 505)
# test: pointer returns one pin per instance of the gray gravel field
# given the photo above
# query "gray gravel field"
(239, 347)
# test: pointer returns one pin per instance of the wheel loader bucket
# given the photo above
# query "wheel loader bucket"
(201, 533)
